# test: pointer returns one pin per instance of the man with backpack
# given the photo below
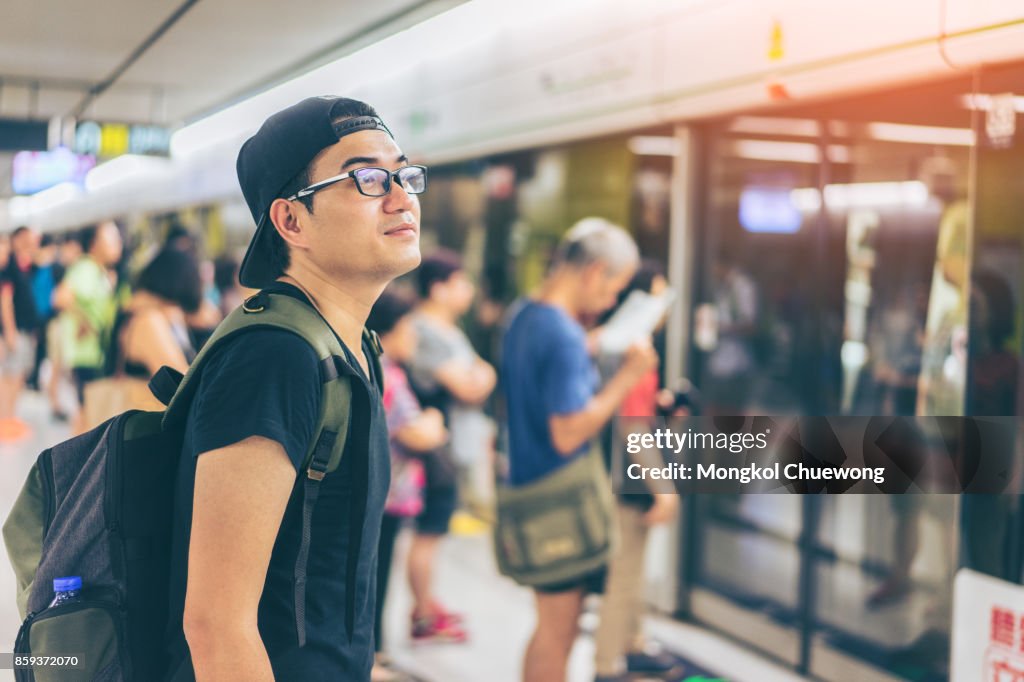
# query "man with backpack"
(233, 536)
(337, 219)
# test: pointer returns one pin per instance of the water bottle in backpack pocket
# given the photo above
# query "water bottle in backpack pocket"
(81, 630)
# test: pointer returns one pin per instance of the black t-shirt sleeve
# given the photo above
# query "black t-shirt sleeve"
(263, 383)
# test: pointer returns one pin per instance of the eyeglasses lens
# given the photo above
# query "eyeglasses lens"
(414, 179)
(374, 182)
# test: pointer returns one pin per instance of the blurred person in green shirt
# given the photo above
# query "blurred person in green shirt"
(87, 298)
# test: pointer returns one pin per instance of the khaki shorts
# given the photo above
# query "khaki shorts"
(18, 361)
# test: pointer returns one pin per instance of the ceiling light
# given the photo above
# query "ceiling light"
(899, 132)
(653, 145)
(763, 125)
(790, 152)
(909, 194)
(980, 102)
(795, 152)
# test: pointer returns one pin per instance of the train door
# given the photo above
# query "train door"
(835, 280)
(754, 347)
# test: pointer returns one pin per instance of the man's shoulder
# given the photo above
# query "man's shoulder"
(427, 326)
(255, 383)
(264, 348)
(543, 324)
(256, 359)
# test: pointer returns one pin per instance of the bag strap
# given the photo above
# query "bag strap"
(269, 310)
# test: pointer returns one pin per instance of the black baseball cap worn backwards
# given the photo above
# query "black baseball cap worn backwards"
(282, 148)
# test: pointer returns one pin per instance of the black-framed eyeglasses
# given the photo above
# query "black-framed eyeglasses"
(374, 182)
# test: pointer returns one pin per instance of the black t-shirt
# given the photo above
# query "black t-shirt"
(267, 383)
(26, 317)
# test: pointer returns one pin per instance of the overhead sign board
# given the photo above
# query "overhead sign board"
(33, 172)
(20, 134)
(107, 140)
(769, 209)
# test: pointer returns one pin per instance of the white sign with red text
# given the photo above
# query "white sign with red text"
(988, 629)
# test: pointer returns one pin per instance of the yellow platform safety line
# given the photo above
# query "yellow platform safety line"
(469, 522)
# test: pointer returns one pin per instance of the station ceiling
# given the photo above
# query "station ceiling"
(168, 62)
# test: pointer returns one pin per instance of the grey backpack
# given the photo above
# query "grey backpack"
(99, 506)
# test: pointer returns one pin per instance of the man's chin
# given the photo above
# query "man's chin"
(409, 262)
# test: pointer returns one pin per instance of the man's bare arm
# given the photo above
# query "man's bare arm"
(424, 433)
(241, 492)
(470, 383)
(7, 323)
(570, 431)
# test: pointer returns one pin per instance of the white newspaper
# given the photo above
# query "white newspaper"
(635, 320)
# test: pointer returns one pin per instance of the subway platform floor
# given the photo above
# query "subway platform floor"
(499, 614)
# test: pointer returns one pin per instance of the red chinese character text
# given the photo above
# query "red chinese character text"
(1003, 626)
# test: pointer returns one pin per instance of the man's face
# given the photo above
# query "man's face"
(46, 255)
(354, 236)
(457, 293)
(25, 244)
(70, 251)
(600, 288)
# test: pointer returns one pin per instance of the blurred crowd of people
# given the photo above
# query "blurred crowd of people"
(72, 313)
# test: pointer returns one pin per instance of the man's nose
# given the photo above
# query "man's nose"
(398, 199)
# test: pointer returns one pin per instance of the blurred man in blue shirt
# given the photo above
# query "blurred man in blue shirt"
(554, 406)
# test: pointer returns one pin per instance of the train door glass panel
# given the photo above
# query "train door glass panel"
(897, 212)
(751, 328)
(992, 528)
(755, 340)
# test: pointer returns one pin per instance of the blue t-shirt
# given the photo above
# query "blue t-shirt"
(546, 371)
(43, 284)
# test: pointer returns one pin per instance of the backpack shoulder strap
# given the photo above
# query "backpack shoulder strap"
(371, 339)
(277, 311)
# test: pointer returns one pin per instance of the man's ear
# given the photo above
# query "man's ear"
(285, 217)
(595, 272)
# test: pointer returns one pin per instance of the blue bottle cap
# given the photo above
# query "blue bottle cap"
(67, 584)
